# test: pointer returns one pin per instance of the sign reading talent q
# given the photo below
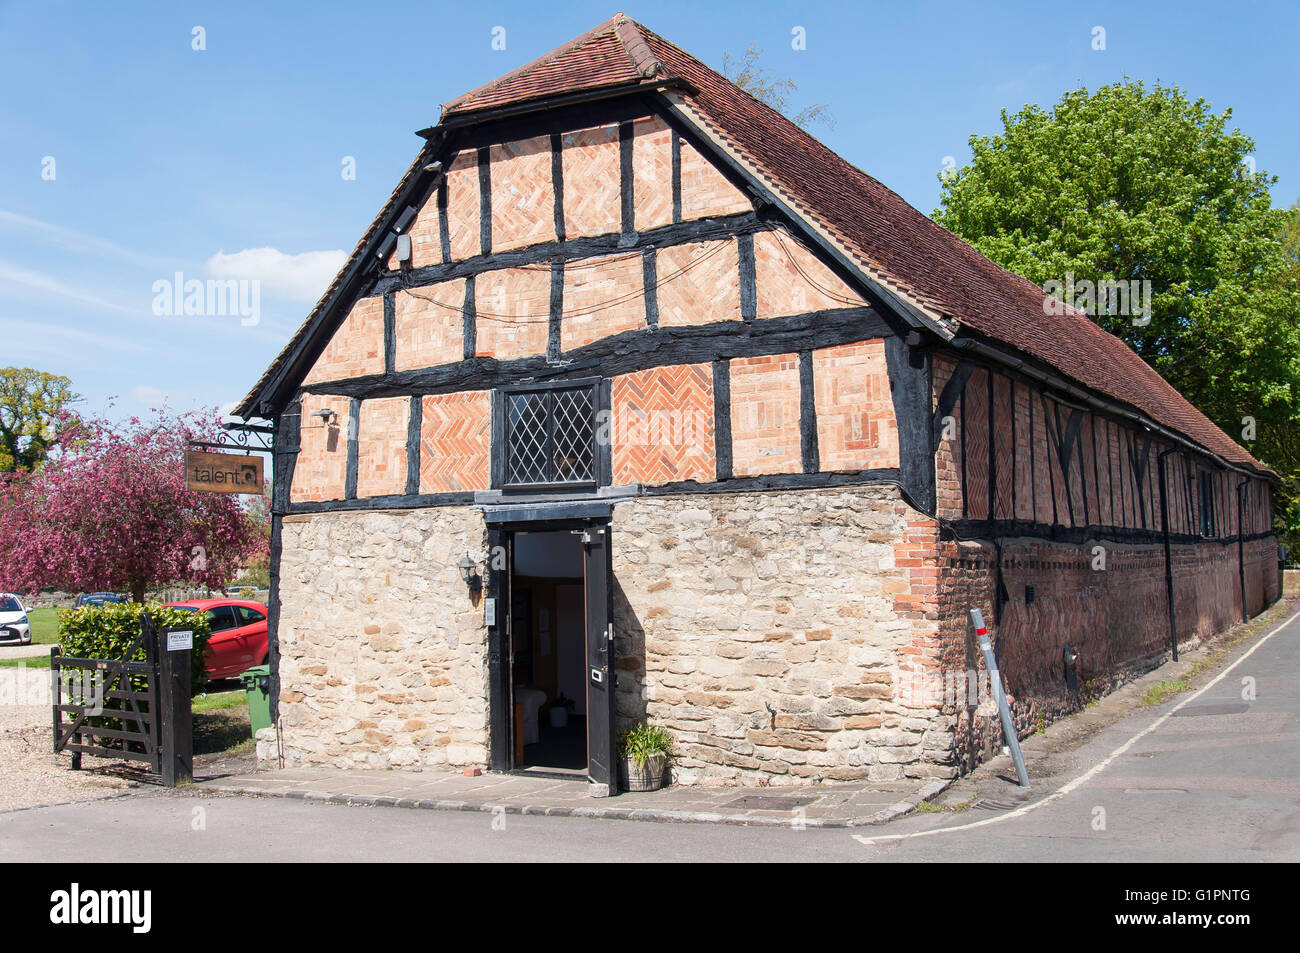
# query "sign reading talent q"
(223, 472)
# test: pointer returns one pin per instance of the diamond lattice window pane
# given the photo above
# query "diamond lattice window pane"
(527, 441)
(574, 426)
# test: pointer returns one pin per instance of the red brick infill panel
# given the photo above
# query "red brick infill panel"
(381, 446)
(652, 173)
(357, 347)
(663, 425)
(602, 297)
(856, 427)
(427, 325)
(523, 195)
(699, 283)
(455, 442)
(322, 463)
(512, 312)
(592, 182)
(765, 415)
(791, 280)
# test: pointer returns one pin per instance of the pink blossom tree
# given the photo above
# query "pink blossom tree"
(111, 512)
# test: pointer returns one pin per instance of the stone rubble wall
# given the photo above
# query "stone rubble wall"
(763, 630)
(383, 656)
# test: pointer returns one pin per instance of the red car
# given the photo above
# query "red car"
(238, 640)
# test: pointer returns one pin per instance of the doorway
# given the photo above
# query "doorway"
(551, 651)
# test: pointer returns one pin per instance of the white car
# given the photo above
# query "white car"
(15, 627)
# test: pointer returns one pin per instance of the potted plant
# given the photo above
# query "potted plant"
(643, 757)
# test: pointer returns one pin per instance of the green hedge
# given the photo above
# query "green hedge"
(107, 631)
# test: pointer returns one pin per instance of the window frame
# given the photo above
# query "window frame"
(598, 388)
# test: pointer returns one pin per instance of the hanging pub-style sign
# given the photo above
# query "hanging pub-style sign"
(223, 472)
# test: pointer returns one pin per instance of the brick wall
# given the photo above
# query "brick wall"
(321, 467)
(790, 280)
(464, 211)
(356, 348)
(652, 169)
(699, 283)
(381, 446)
(512, 308)
(593, 192)
(523, 194)
(856, 427)
(765, 415)
(705, 190)
(663, 425)
(455, 442)
(1004, 470)
(602, 297)
(428, 325)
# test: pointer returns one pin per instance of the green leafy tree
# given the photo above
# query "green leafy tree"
(32, 404)
(1290, 239)
(1130, 183)
(747, 73)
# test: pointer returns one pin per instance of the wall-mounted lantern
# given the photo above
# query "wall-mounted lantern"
(469, 573)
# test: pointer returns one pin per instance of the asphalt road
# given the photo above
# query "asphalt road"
(1208, 776)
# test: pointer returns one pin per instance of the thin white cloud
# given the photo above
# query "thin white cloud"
(45, 337)
(151, 396)
(76, 241)
(25, 277)
(301, 277)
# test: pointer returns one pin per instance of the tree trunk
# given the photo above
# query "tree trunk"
(137, 592)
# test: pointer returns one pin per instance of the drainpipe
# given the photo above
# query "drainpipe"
(1169, 568)
(1241, 548)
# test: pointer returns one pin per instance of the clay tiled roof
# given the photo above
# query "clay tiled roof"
(891, 241)
(612, 55)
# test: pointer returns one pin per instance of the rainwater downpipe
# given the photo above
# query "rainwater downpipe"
(1169, 567)
(1241, 547)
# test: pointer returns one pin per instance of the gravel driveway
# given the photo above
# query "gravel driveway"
(30, 773)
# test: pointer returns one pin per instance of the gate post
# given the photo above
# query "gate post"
(176, 735)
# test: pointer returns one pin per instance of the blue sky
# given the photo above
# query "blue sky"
(127, 156)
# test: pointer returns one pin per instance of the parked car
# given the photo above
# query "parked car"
(97, 599)
(238, 640)
(15, 627)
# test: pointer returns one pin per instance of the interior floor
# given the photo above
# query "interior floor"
(559, 749)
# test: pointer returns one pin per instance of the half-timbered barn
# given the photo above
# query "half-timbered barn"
(636, 402)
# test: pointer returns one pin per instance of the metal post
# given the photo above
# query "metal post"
(995, 681)
(176, 736)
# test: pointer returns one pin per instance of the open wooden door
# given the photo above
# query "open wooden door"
(500, 651)
(598, 569)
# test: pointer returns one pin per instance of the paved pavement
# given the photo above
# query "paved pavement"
(827, 805)
(1209, 776)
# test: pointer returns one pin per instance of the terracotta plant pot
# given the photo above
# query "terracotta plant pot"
(650, 777)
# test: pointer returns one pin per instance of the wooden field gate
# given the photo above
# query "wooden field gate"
(100, 710)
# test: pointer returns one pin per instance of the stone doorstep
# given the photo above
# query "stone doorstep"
(554, 799)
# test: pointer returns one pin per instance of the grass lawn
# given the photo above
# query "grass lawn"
(45, 625)
(221, 723)
(35, 661)
(220, 700)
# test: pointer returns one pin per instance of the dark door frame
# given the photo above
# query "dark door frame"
(500, 570)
